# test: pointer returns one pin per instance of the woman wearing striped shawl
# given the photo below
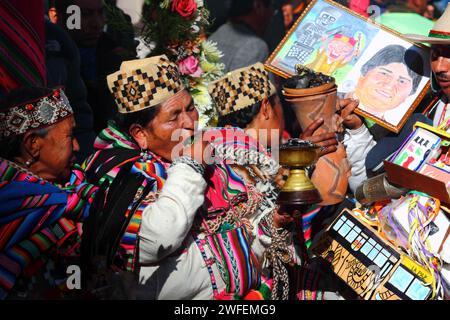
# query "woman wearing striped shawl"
(42, 194)
(260, 114)
(196, 233)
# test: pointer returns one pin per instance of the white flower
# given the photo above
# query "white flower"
(212, 53)
(195, 28)
(199, 3)
(203, 103)
(202, 121)
(211, 67)
(202, 98)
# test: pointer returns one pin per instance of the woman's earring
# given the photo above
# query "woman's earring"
(29, 162)
(144, 155)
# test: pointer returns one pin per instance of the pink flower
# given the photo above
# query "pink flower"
(191, 67)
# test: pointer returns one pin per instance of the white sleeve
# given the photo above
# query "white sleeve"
(261, 236)
(358, 143)
(167, 221)
(438, 114)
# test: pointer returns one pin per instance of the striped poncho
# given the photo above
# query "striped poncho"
(115, 149)
(35, 216)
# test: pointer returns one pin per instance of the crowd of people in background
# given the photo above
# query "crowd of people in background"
(244, 35)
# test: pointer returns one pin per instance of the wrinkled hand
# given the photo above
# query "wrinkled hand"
(244, 172)
(349, 119)
(327, 141)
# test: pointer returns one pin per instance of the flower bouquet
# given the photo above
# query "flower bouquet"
(176, 28)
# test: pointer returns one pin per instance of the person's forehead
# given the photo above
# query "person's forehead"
(179, 100)
(342, 43)
(64, 126)
(393, 67)
(385, 68)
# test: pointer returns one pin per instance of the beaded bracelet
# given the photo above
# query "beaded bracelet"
(190, 162)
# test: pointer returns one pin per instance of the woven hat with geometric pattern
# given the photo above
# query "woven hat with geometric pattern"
(144, 83)
(241, 88)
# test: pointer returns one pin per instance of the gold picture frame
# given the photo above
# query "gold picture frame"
(363, 35)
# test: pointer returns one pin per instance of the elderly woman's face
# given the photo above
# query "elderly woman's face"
(175, 120)
(56, 155)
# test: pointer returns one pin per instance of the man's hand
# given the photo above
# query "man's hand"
(327, 141)
(349, 119)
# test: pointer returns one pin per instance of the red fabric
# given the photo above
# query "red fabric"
(8, 82)
(359, 6)
(33, 12)
(22, 44)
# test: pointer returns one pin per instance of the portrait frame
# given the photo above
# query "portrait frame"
(276, 63)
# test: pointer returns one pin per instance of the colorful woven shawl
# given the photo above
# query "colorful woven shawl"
(225, 189)
(115, 149)
(35, 215)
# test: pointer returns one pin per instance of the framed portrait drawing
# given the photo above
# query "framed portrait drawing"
(388, 74)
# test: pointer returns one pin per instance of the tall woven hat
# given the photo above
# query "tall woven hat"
(144, 83)
(439, 34)
(241, 88)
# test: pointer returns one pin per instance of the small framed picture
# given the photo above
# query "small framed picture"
(388, 74)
